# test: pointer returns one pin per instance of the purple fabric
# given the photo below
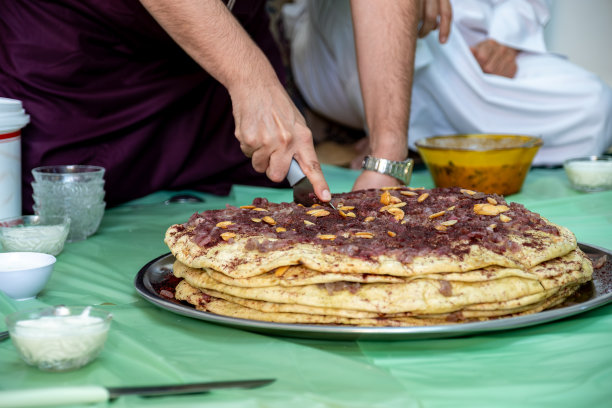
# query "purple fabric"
(105, 85)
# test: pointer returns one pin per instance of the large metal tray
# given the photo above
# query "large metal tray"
(591, 295)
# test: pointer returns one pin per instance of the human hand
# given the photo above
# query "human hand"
(272, 131)
(435, 14)
(371, 179)
(495, 58)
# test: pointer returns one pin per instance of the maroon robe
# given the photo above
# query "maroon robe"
(104, 84)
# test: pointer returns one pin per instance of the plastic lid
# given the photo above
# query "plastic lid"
(12, 115)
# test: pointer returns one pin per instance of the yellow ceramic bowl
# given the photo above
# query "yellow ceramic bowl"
(490, 163)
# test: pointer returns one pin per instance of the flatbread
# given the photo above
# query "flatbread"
(386, 257)
(420, 244)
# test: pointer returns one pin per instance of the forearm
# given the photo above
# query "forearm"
(385, 40)
(209, 33)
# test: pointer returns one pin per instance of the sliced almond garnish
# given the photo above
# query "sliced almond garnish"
(227, 235)
(368, 219)
(281, 270)
(397, 213)
(329, 237)
(385, 198)
(408, 193)
(269, 220)
(491, 200)
(492, 226)
(489, 209)
(315, 205)
(440, 227)
(391, 188)
(281, 229)
(224, 224)
(346, 207)
(394, 205)
(436, 215)
(470, 192)
(415, 188)
(256, 219)
(404, 221)
(504, 218)
(448, 223)
(422, 197)
(451, 208)
(308, 222)
(259, 209)
(247, 207)
(319, 212)
(391, 233)
(367, 235)
(347, 214)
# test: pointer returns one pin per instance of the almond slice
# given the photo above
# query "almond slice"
(256, 219)
(491, 200)
(281, 270)
(308, 222)
(391, 233)
(318, 212)
(227, 235)
(224, 224)
(364, 234)
(269, 220)
(368, 219)
(448, 223)
(504, 218)
(247, 207)
(422, 197)
(436, 215)
(408, 193)
(489, 209)
(281, 229)
(329, 237)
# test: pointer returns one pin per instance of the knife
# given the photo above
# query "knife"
(93, 393)
(303, 191)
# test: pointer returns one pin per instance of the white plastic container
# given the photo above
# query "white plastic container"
(12, 119)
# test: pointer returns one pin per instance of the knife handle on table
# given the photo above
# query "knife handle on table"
(46, 397)
(295, 173)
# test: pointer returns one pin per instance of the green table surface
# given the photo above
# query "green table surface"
(565, 363)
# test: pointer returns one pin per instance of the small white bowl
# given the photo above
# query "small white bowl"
(589, 174)
(34, 233)
(59, 338)
(24, 274)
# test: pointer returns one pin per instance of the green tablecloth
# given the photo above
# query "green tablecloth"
(567, 363)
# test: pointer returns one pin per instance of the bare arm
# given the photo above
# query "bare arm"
(269, 127)
(385, 39)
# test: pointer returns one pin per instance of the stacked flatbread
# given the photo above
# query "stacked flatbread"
(388, 257)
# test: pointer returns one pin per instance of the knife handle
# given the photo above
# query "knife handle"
(45, 397)
(295, 173)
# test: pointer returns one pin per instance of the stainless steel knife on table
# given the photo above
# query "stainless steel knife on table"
(86, 394)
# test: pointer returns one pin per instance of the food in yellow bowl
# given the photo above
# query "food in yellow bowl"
(491, 163)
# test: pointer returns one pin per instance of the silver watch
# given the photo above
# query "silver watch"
(401, 170)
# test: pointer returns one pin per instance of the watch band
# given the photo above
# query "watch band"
(401, 170)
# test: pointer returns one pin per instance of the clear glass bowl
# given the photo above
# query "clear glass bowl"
(59, 338)
(34, 233)
(589, 174)
(68, 173)
(84, 219)
(490, 163)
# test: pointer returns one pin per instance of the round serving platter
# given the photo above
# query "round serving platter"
(591, 295)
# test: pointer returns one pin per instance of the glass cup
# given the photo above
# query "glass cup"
(75, 191)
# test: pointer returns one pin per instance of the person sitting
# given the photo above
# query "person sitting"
(492, 74)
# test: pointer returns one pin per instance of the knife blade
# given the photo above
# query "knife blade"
(303, 191)
(93, 393)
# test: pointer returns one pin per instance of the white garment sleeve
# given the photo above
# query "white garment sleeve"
(520, 23)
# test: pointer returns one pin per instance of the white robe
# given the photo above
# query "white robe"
(550, 97)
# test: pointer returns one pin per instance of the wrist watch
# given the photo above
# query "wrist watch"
(401, 170)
